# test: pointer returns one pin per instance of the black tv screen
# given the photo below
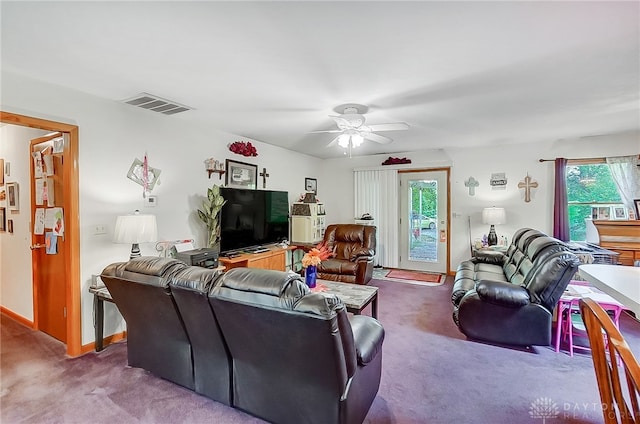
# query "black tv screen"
(252, 218)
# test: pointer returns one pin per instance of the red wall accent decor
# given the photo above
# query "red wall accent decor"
(243, 148)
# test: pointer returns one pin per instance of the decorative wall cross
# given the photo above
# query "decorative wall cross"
(472, 183)
(264, 176)
(527, 184)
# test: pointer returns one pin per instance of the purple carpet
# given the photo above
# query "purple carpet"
(431, 374)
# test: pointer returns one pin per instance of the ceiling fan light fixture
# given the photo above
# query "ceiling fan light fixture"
(353, 131)
(343, 140)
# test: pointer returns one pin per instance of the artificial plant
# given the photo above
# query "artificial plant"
(209, 214)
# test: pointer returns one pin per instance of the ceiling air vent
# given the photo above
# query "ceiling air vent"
(157, 104)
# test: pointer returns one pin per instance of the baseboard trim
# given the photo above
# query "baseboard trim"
(17, 317)
(107, 341)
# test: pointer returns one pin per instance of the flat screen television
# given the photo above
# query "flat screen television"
(253, 218)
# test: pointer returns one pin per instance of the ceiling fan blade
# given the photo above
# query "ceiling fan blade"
(395, 126)
(333, 142)
(377, 138)
(325, 131)
(341, 122)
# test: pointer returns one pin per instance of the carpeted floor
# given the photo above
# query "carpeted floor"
(431, 374)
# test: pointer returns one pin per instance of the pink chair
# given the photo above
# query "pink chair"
(574, 326)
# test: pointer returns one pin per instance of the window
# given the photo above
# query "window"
(589, 185)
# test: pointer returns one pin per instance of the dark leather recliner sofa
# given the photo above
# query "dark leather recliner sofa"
(254, 339)
(297, 356)
(156, 337)
(354, 247)
(509, 298)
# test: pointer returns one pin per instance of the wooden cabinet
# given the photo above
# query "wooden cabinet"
(307, 229)
(307, 223)
(623, 237)
(275, 258)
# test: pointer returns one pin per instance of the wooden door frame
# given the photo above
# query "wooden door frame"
(72, 226)
(447, 169)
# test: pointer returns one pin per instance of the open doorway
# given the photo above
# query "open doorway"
(68, 271)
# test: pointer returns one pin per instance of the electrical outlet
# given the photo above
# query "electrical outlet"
(99, 230)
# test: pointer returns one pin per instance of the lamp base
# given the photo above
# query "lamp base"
(492, 238)
(135, 251)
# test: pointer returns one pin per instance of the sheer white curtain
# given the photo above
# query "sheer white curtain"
(376, 193)
(626, 174)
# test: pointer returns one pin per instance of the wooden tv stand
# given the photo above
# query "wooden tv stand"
(273, 259)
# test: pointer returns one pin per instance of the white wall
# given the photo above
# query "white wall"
(514, 160)
(111, 135)
(16, 287)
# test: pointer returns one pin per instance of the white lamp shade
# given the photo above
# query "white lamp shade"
(494, 216)
(136, 229)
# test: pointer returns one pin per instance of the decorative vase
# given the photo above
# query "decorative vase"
(310, 276)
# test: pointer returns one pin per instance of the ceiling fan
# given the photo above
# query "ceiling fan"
(353, 131)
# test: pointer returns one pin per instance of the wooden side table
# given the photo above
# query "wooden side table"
(100, 295)
(496, 248)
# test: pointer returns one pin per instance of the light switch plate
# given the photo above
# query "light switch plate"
(150, 201)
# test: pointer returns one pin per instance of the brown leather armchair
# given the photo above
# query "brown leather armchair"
(354, 247)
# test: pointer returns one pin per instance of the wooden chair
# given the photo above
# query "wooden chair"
(618, 380)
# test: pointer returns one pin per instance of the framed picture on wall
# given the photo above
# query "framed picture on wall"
(13, 196)
(636, 203)
(604, 212)
(311, 184)
(3, 220)
(240, 174)
(620, 213)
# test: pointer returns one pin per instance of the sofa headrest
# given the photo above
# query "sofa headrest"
(151, 265)
(551, 277)
(261, 287)
(319, 304)
(266, 281)
(348, 241)
(149, 270)
(527, 238)
(542, 244)
(196, 278)
(518, 234)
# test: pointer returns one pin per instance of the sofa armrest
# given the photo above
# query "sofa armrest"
(502, 293)
(368, 335)
(362, 255)
(488, 257)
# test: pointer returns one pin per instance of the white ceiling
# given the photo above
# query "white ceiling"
(459, 73)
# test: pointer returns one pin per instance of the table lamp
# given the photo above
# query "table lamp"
(493, 216)
(135, 229)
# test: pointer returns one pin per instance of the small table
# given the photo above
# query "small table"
(100, 295)
(355, 297)
(569, 300)
(497, 248)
